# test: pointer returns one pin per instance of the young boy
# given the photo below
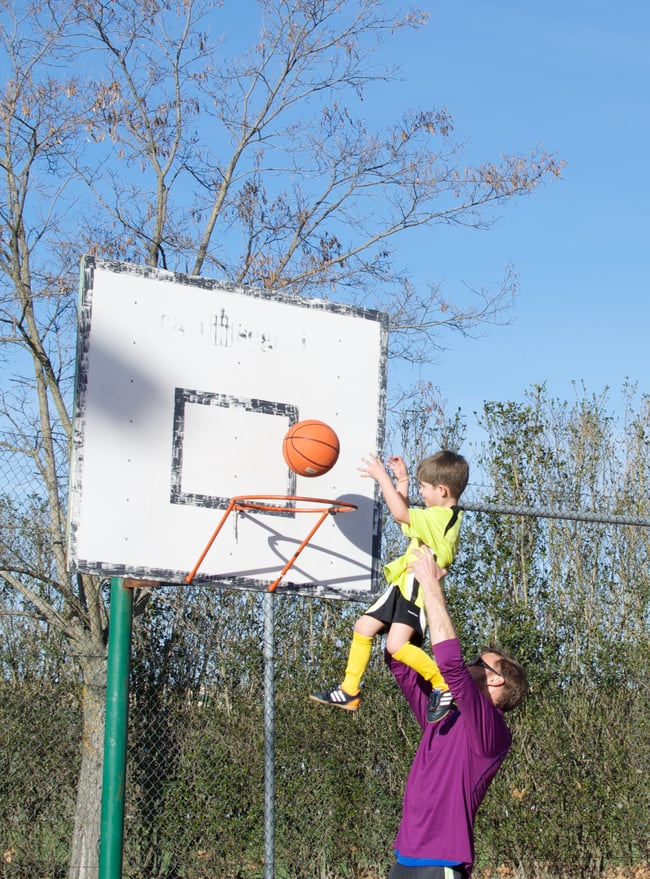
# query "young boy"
(400, 609)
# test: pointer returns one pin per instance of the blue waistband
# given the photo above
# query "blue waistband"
(424, 862)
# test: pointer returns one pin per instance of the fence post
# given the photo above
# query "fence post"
(269, 737)
(111, 845)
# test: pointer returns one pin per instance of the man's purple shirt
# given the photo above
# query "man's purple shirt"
(455, 762)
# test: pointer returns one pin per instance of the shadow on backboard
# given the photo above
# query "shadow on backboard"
(367, 512)
(131, 385)
(353, 525)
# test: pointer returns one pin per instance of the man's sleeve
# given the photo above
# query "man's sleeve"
(487, 731)
(414, 687)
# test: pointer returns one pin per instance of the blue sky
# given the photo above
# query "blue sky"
(573, 77)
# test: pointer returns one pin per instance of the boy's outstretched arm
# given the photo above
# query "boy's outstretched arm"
(400, 471)
(396, 502)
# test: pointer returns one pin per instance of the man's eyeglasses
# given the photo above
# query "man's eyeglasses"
(480, 661)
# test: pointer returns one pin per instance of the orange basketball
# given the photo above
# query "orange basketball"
(310, 448)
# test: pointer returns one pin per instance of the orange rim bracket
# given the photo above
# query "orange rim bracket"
(268, 504)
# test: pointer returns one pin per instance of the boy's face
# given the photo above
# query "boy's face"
(433, 495)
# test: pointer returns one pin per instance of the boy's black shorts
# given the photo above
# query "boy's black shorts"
(392, 607)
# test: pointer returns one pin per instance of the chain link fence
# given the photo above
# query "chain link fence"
(195, 777)
(574, 798)
(575, 791)
(195, 788)
(39, 762)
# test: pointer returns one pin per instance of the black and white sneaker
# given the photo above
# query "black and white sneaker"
(338, 698)
(439, 704)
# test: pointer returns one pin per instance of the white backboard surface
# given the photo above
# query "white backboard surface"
(185, 390)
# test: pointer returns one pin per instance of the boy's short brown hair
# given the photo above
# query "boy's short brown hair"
(445, 468)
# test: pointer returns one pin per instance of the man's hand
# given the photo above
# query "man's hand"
(426, 568)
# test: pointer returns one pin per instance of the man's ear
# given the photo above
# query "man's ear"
(444, 491)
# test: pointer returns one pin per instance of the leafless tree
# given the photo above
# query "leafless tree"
(128, 131)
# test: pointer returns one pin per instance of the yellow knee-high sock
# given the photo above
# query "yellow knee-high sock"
(358, 660)
(423, 664)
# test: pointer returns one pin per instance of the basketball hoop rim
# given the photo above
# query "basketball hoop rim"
(259, 502)
(254, 502)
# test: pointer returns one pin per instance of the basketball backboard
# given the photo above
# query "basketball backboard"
(185, 389)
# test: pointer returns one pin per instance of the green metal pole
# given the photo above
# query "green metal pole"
(111, 845)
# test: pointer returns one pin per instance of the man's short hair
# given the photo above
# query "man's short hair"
(515, 686)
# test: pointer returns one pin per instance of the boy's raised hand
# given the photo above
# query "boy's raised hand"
(398, 466)
(396, 501)
(372, 467)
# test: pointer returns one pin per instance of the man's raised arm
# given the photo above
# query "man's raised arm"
(430, 576)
